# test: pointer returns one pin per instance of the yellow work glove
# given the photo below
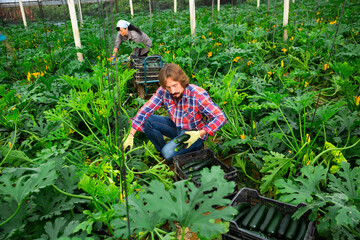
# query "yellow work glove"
(194, 136)
(129, 143)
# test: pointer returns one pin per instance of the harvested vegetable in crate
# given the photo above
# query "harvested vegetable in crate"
(261, 218)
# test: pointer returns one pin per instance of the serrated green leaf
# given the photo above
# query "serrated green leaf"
(273, 117)
(15, 157)
(275, 166)
(185, 203)
(32, 180)
(60, 228)
(50, 203)
(302, 188)
(348, 181)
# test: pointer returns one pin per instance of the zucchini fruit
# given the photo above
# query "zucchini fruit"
(246, 221)
(241, 215)
(201, 165)
(179, 147)
(292, 229)
(269, 216)
(258, 218)
(181, 138)
(269, 222)
(241, 206)
(302, 230)
(189, 164)
(274, 224)
(284, 225)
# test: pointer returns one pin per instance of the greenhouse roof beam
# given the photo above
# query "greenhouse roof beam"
(26, 3)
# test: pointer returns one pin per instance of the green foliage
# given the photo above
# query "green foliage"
(337, 204)
(18, 183)
(279, 129)
(307, 185)
(276, 166)
(190, 206)
(14, 157)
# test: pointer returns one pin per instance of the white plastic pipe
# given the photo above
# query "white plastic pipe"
(75, 28)
(258, 3)
(218, 5)
(192, 16)
(22, 13)
(175, 6)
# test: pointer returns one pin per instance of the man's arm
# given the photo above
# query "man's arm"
(154, 103)
(212, 112)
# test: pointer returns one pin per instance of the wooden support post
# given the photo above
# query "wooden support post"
(131, 8)
(75, 28)
(286, 18)
(23, 13)
(80, 13)
(212, 7)
(150, 11)
(192, 17)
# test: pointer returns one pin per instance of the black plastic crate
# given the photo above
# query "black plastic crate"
(231, 173)
(153, 67)
(253, 197)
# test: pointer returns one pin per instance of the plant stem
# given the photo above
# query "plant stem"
(12, 145)
(86, 123)
(292, 132)
(78, 196)
(183, 233)
(12, 216)
(352, 230)
(331, 149)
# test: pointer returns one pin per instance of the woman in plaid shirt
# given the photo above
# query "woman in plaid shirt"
(191, 111)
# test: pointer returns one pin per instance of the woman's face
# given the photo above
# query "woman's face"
(124, 32)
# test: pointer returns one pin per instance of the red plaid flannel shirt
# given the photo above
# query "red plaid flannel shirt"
(195, 111)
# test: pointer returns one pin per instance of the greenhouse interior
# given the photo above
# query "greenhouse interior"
(179, 119)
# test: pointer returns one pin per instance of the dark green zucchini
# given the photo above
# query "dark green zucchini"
(201, 165)
(190, 164)
(179, 147)
(241, 215)
(246, 221)
(292, 229)
(274, 224)
(241, 206)
(302, 230)
(284, 225)
(269, 216)
(258, 218)
(196, 178)
(182, 138)
(194, 173)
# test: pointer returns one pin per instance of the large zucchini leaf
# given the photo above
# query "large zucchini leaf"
(20, 182)
(190, 206)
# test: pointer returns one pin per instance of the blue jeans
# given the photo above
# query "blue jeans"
(155, 127)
